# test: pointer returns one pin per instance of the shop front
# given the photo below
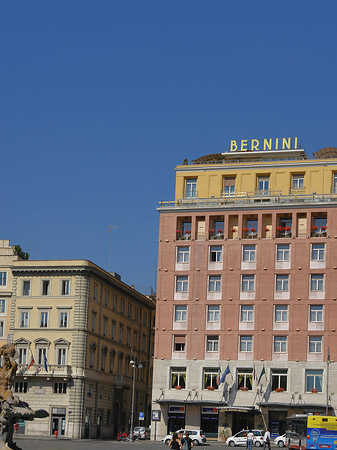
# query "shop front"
(209, 422)
(176, 418)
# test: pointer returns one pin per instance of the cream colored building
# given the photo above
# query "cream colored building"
(82, 326)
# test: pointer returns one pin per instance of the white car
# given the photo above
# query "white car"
(240, 438)
(197, 436)
(280, 440)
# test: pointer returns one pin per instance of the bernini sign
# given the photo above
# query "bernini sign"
(249, 145)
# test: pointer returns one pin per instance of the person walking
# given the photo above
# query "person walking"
(186, 442)
(250, 437)
(175, 443)
(266, 439)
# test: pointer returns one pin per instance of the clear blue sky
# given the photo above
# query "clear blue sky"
(101, 99)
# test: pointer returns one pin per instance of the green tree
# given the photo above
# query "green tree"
(20, 253)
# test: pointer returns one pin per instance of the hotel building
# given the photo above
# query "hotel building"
(82, 326)
(247, 283)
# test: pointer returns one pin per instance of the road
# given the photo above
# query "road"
(64, 444)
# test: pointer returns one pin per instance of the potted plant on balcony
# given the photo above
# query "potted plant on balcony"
(252, 233)
(245, 230)
(178, 388)
(220, 233)
(287, 230)
(211, 233)
(210, 388)
(314, 391)
(243, 389)
(187, 235)
(279, 389)
(179, 234)
(314, 230)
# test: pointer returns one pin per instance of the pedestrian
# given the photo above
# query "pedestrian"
(266, 439)
(250, 437)
(186, 442)
(16, 427)
(175, 443)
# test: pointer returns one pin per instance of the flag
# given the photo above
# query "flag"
(226, 372)
(45, 362)
(263, 372)
(218, 377)
(32, 361)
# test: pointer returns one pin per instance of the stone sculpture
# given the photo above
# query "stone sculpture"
(12, 408)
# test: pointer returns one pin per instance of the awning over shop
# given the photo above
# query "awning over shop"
(241, 409)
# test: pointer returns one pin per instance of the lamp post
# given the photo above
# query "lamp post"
(134, 366)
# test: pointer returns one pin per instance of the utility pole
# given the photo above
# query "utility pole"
(134, 366)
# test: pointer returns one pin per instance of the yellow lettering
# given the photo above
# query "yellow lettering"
(276, 144)
(267, 144)
(244, 145)
(234, 146)
(286, 143)
(295, 143)
(255, 144)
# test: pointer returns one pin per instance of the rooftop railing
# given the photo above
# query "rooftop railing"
(241, 199)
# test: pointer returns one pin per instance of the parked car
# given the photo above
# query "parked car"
(197, 436)
(141, 433)
(280, 440)
(240, 438)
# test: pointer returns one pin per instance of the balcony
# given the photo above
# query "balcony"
(249, 200)
(54, 370)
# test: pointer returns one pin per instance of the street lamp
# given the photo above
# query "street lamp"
(134, 365)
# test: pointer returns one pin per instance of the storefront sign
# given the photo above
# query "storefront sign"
(209, 410)
(156, 414)
(177, 409)
(255, 145)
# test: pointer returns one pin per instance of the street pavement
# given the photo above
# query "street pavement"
(67, 444)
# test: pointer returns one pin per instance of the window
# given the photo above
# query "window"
(3, 278)
(263, 183)
(246, 343)
(129, 310)
(248, 253)
(248, 283)
(43, 319)
(318, 252)
(191, 188)
(114, 302)
(229, 186)
(282, 283)
(215, 254)
(214, 283)
(180, 314)
(135, 339)
(26, 287)
(105, 326)
(2, 306)
(95, 291)
(245, 379)
(178, 377)
(298, 182)
(314, 380)
(45, 287)
(210, 379)
(280, 344)
(279, 379)
(61, 356)
(212, 344)
(106, 297)
(179, 343)
(136, 313)
(89, 390)
(23, 355)
(21, 386)
(103, 358)
(143, 343)
(93, 320)
(2, 328)
(247, 314)
(65, 288)
(283, 252)
(316, 313)
(60, 388)
(121, 331)
(144, 318)
(42, 355)
(113, 329)
(315, 344)
(317, 282)
(92, 355)
(64, 319)
(213, 313)
(182, 284)
(112, 360)
(122, 305)
(128, 334)
(24, 319)
(281, 313)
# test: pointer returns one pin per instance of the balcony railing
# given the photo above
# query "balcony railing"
(39, 369)
(248, 198)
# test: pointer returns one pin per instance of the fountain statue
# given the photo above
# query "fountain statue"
(12, 408)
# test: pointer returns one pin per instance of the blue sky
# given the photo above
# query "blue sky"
(100, 100)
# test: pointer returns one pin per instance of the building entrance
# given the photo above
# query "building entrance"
(242, 421)
(176, 418)
(58, 421)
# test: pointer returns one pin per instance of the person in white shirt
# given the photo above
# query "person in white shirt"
(250, 437)
(266, 439)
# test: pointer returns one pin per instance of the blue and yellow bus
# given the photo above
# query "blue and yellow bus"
(311, 432)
